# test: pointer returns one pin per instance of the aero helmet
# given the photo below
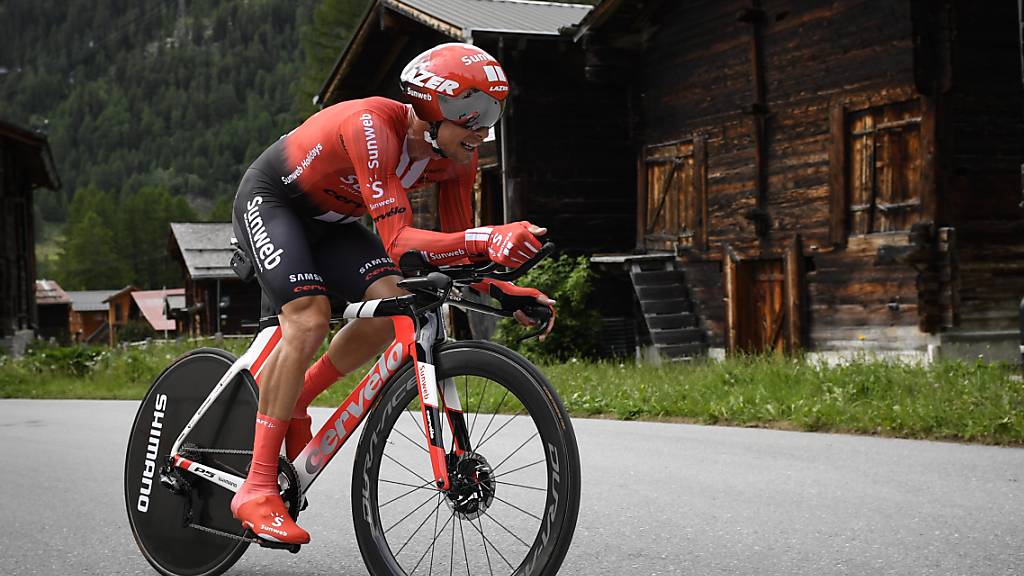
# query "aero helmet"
(456, 82)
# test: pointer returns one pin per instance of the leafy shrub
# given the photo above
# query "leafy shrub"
(577, 329)
(135, 330)
(71, 360)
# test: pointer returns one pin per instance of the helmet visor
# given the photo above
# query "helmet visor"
(473, 110)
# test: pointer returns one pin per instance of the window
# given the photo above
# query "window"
(675, 205)
(883, 174)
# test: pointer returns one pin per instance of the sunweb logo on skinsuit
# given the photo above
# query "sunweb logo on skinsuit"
(259, 238)
(310, 156)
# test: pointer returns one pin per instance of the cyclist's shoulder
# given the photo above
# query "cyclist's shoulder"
(355, 112)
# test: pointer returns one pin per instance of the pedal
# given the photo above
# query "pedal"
(293, 548)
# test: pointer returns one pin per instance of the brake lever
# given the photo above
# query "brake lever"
(542, 317)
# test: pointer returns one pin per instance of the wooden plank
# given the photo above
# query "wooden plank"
(641, 199)
(794, 294)
(837, 175)
(928, 176)
(700, 184)
(731, 300)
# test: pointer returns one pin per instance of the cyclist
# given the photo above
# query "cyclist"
(296, 215)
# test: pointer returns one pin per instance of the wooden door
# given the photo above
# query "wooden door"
(758, 314)
(673, 208)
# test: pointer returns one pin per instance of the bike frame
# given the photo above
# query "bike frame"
(411, 342)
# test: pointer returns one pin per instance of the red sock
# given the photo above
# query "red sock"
(262, 479)
(319, 377)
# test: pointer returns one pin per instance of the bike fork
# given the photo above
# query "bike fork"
(426, 384)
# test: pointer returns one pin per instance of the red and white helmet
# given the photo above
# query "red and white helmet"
(456, 82)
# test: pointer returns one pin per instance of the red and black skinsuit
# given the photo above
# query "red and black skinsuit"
(298, 206)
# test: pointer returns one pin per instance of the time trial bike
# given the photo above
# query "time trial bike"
(467, 462)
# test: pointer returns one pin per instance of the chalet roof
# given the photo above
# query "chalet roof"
(151, 304)
(458, 20)
(618, 18)
(31, 150)
(205, 247)
(115, 293)
(174, 302)
(90, 300)
(49, 292)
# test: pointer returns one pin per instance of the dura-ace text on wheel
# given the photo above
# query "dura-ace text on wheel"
(514, 494)
(166, 504)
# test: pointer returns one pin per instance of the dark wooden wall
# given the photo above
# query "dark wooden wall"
(570, 164)
(17, 241)
(240, 315)
(932, 88)
(986, 149)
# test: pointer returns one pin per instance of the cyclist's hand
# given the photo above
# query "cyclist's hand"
(532, 307)
(508, 244)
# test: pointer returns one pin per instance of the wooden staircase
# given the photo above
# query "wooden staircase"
(668, 311)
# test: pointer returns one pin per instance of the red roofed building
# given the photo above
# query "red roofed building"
(132, 311)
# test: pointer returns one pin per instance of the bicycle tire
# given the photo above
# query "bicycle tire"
(157, 515)
(472, 363)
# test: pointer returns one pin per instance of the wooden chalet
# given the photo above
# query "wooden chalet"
(53, 310)
(216, 301)
(145, 307)
(89, 316)
(25, 164)
(827, 175)
(556, 159)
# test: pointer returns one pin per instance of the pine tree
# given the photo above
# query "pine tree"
(89, 260)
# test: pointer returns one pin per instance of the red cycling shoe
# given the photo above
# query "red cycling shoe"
(267, 517)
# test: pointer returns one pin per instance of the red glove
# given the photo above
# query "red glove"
(531, 305)
(508, 244)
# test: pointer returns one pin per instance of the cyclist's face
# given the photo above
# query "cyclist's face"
(459, 143)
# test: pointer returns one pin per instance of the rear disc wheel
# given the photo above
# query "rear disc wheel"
(160, 515)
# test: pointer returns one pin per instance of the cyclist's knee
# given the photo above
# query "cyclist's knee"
(386, 287)
(305, 323)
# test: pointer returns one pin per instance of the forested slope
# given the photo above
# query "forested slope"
(153, 108)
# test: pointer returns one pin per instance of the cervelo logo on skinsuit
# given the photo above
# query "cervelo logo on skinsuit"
(351, 413)
(259, 239)
(393, 212)
(341, 197)
(425, 79)
(309, 288)
(310, 156)
(152, 447)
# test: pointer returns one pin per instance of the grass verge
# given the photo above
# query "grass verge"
(948, 401)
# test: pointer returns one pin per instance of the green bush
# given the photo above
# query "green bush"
(71, 360)
(135, 330)
(577, 329)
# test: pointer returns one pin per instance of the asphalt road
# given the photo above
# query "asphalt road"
(657, 499)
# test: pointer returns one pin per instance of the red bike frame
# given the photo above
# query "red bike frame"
(340, 426)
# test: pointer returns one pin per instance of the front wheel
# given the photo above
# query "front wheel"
(515, 493)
